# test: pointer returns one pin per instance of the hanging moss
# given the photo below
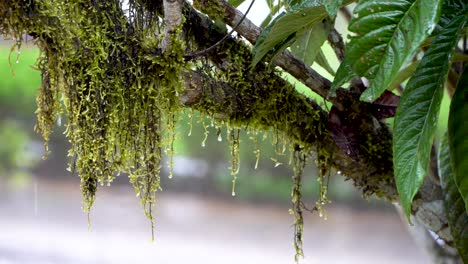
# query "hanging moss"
(105, 70)
(323, 163)
(119, 92)
(234, 143)
(299, 162)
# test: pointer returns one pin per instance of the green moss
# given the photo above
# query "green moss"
(213, 9)
(234, 143)
(107, 74)
(299, 162)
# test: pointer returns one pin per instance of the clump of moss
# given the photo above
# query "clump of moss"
(106, 72)
(213, 9)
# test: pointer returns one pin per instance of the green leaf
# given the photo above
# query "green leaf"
(417, 113)
(388, 33)
(236, 3)
(453, 202)
(322, 60)
(308, 45)
(286, 28)
(344, 74)
(332, 7)
(266, 21)
(403, 75)
(458, 135)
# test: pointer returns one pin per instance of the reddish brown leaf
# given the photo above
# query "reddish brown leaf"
(385, 106)
(344, 131)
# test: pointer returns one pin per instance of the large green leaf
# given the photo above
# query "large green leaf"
(286, 28)
(417, 113)
(453, 202)
(308, 45)
(388, 33)
(458, 135)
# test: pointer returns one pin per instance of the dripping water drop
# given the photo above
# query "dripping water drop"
(233, 193)
(220, 138)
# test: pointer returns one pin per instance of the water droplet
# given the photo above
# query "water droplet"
(17, 61)
(348, 152)
(338, 172)
(220, 138)
(233, 193)
(321, 214)
(203, 144)
(322, 203)
(170, 176)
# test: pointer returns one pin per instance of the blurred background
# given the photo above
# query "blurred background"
(197, 219)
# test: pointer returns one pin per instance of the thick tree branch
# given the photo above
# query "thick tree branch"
(264, 105)
(364, 173)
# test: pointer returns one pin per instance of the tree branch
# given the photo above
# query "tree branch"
(172, 19)
(366, 175)
(286, 60)
(270, 102)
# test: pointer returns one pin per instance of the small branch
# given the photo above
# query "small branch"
(346, 14)
(336, 41)
(286, 60)
(205, 51)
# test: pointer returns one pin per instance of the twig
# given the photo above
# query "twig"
(286, 60)
(203, 52)
(336, 41)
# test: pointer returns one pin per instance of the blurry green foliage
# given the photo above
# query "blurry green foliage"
(15, 157)
(18, 80)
